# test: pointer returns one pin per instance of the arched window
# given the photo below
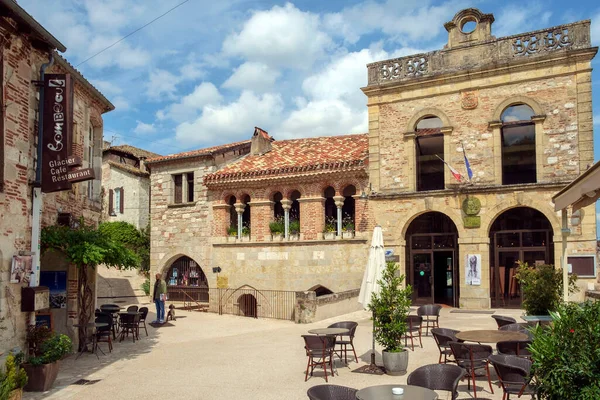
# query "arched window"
(348, 209)
(232, 213)
(429, 149)
(277, 206)
(246, 223)
(330, 210)
(518, 145)
(294, 222)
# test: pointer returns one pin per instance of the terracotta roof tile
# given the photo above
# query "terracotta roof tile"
(297, 156)
(128, 168)
(133, 151)
(209, 151)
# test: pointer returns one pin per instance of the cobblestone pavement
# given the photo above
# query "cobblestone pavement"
(207, 356)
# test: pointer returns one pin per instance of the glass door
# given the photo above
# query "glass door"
(422, 278)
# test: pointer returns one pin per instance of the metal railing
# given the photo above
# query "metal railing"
(249, 302)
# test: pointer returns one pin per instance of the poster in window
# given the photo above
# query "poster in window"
(56, 281)
(473, 269)
(21, 269)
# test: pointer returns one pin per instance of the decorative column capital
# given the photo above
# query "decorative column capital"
(286, 204)
(239, 208)
(339, 201)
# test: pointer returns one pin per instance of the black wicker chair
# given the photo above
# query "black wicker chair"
(514, 348)
(442, 337)
(132, 309)
(437, 377)
(513, 374)
(341, 342)
(472, 357)
(319, 350)
(143, 315)
(331, 392)
(413, 330)
(502, 320)
(129, 323)
(103, 333)
(431, 316)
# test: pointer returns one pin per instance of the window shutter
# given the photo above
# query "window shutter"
(122, 205)
(178, 189)
(111, 210)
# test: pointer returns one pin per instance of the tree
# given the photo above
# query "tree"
(137, 240)
(86, 247)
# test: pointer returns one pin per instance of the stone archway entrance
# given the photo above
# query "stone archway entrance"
(186, 281)
(519, 234)
(431, 253)
(248, 305)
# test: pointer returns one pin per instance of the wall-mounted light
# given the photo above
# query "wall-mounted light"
(216, 270)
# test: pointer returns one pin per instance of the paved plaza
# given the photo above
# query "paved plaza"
(207, 356)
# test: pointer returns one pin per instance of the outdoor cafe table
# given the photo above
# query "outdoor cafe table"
(490, 336)
(537, 318)
(92, 325)
(330, 331)
(384, 392)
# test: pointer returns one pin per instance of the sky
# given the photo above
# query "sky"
(210, 71)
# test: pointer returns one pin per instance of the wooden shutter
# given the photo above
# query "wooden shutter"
(178, 189)
(190, 186)
(111, 209)
(122, 205)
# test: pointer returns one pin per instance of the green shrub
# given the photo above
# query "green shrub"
(294, 227)
(347, 223)
(390, 308)
(232, 231)
(566, 354)
(277, 226)
(542, 287)
(330, 225)
(146, 287)
(245, 230)
(13, 376)
(53, 349)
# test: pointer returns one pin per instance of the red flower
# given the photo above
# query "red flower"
(572, 330)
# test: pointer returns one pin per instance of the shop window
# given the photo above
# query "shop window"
(518, 145)
(183, 188)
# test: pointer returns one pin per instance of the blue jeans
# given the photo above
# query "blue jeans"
(160, 310)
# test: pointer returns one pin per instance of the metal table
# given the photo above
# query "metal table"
(384, 392)
(329, 331)
(92, 325)
(537, 319)
(490, 336)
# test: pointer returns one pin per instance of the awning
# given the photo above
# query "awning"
(582, 192)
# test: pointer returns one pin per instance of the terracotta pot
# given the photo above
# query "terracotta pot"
(16, 394)
(40, 377)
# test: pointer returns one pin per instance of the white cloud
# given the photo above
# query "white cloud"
(107, 88)
(596, 119)
(254, 76)
(516, 19)
(120, 103)
(191, 71)
(282, 37)
(161, 85)
(188, 108)
(144, 128)
(233, 121)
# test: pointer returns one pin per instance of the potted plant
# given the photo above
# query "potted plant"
(542, 287)
(294, 230)
(42, 366)
(277, 228)
(13, 378)
(245, 233)
(232, 232)
(390, 307)
(330, 229)
(347, 227)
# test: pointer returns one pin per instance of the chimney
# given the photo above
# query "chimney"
(261, 142)
(143, 164)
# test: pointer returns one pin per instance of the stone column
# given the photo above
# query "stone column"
(312, 217)
(474, 296)
(239, 209)
(448, 178)
(261, 214)
(495, 127)
(221, 219)
(287, 205)
(339, 203)
(539, 146)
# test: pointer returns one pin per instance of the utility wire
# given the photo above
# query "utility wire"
(137, 30)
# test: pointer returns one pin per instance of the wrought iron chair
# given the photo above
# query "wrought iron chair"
(471, 357)
(103, 333)
(442, 337)
(132, 309)
(319, 350)
(343, 344)
(502, 320)
(513, 374)
(129, 323)
(414, 323)
(331, 392)
(143, 314)
(517, 348)
(437, 377)
(115, 316)
(431, 316)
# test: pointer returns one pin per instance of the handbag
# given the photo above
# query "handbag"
(163, 297)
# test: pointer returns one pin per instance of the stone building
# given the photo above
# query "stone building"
(126, 185)
(518, 108)
(26, 45)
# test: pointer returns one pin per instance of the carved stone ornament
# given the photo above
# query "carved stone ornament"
(469, 100)
(472, 221)
(471, 206)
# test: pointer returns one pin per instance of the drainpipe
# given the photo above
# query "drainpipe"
(563, 260)
(37, 185)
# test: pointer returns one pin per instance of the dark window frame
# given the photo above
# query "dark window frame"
(419, 184)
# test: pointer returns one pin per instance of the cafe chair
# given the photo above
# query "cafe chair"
(437, 377)
(143, 314)
(129, 324)
(502, 320)
(103, 332)
(343, 343)
(442, 337)
(132, 309)
(471, 357)
(331, 392)
(105, 308)
(319, 350)
(431, 316)
(413, 330)
(517, 348)
(513, 373)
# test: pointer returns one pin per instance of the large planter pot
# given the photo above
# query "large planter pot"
(294, 236)
(347, 235)
(277, 237)
(245, 238)
(395, 363)
(231, 239)
(40, 377)
(329, 235)
(16, 394)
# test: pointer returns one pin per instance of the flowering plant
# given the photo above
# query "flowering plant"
(348, 223)
(330, 225)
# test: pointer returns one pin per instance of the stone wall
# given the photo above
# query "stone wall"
(137, 196)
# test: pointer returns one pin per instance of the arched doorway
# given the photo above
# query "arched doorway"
(186, 281)
(248, 306)
(431, 252)
(518, 234)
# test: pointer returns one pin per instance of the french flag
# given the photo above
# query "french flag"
(453, 170)
(467, 165)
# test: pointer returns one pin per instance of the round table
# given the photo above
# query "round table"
(490, 336)
(110, 309)
(384, 392)
(329, 331)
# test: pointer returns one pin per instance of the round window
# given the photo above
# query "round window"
(468, 26)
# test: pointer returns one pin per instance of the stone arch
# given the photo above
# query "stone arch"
(320, 290)
(535, 106)
(410, 127)
(488, 218)
(230, 298)
(226, 195)
(454, 216)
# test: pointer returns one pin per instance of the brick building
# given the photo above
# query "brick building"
(518, 107)
(26, 45)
